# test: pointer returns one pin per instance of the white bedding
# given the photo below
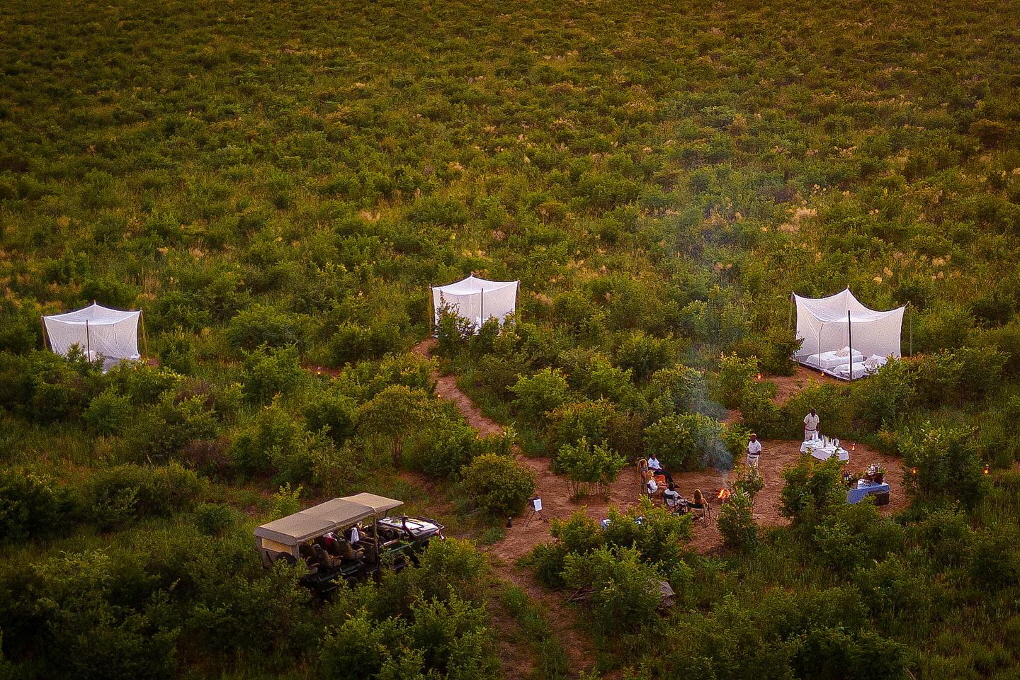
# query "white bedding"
(831, 359)
(860, 369)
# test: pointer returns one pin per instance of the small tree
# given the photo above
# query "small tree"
(591, 468)
(736, 521)
(686, 441)
(942, 463)
(624, 589)
(268, 372)
(813, 490)
(540, 393)
(393, 414)
(498, 485)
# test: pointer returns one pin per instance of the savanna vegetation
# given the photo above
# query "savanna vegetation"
(277, 184)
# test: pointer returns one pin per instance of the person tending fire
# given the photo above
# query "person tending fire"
(753, 451)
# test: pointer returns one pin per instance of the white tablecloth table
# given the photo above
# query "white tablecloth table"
(816, 449)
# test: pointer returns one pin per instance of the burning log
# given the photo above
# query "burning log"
(723, 495)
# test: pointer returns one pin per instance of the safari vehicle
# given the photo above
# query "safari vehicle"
(311, 536)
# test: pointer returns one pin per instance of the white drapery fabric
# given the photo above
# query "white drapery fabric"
(477, 300)
(841, 321)
(97, 330)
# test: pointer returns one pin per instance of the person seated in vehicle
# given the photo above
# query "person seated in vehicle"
(329, 544)
(324, 559)
(354, 535)
(368, 545)
(309, 556)
(346, 551)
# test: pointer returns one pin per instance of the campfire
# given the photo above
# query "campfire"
(723, 495)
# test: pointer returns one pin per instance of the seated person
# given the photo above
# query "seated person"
(674, 499)
(306, 552)
(354, 535)
(346, 551)
(651, 486)
(658, 470)
(323, 558)
(699, 500)
(329, 544)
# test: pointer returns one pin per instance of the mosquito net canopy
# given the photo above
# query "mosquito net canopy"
(97, 330)
(477, 300)
(840, 324)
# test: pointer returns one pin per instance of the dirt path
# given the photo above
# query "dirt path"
(521, 538)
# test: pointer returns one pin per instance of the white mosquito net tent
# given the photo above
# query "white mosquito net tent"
(476, 300)
(844, 338)
(98, 331)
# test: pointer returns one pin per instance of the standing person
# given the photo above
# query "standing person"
(811, 426)
(753, 450)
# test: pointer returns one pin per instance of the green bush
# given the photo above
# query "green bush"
(177, 351)
(686, 442)
(352, 343)
(108, 413)
(30, 506)
(540, 393)
(813, 490)
(498, 486)
(995, 564)
(261, 325)
(624, 590)
(947, 464)
(117, 495)
(736, 521)
(393, 414)
(443, 448)
(735, 375)
(592, 469)
(854, 536)
(596, 421)
(166, 428)
(214, 519)
(644, 355)
(332, 412)
(269, 372)
(677, 390)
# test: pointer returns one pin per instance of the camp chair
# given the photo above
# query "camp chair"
(704, 512)
(674, 502)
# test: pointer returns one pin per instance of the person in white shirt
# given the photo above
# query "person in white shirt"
(653, 464)
(811, 426)
(753, 450)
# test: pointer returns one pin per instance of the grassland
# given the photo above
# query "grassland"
(276, 185)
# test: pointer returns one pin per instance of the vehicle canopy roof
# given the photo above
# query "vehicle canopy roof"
(379, 504)
(320, 519)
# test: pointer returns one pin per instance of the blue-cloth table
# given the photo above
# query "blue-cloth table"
(864, 489)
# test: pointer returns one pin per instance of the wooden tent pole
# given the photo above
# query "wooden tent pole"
(145, 338)
(910, 325)
(432, 310)
(850, 340)
(42, 322)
